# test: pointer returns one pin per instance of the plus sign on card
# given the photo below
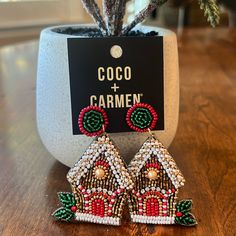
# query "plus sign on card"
(115, 73)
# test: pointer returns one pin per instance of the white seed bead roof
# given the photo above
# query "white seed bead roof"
(154, 147)
(102, 144)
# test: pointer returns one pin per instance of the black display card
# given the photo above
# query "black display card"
(116, 81)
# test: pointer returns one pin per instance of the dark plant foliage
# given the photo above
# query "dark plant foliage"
(111, 23)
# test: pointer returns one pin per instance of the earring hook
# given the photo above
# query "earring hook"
(103, 128)
(150, 133)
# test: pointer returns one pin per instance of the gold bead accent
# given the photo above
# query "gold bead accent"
(152, 174)
(99, 173)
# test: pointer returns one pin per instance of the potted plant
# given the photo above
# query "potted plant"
(111, 65)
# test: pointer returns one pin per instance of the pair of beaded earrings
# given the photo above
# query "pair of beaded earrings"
(102, 183)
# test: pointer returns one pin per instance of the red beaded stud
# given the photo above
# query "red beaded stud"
(73, 208)
(179, 214)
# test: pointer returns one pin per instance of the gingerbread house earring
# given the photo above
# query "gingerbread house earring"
(99, 180)
(156, 177)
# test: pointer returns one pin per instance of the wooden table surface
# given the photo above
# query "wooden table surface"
(204, 146)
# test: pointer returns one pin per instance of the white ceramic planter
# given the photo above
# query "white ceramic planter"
(54, 104)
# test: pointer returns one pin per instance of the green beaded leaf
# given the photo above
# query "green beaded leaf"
(67, 199)
(187, 219)
(184, 206)
(63, 214)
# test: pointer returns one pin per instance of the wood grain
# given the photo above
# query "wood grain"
(204, 147)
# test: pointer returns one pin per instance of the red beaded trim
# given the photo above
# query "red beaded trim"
(141, 105)
(108, 201)
(151, 192)
(102, 163)
(80, 120)
(153, 165)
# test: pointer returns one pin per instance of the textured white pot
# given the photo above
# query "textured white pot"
(54, 104)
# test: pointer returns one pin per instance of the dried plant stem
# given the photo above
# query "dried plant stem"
(109, 14)
(115, 14)
(140, 17)
(93, 9)
(120, 13)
